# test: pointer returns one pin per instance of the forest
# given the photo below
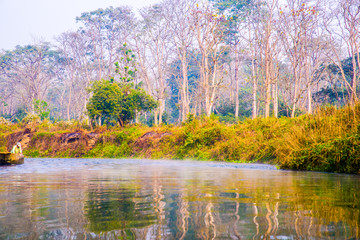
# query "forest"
(242, 81)
(267, 89)
(235, 59)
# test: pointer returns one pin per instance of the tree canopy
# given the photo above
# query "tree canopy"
(118, 101)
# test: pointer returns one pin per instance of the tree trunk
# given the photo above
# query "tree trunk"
(309, 100)
(69, 103)
(184, 89)
(268, 99)
(213, 92)
(353, 80)
(254, 77)
(267, 80)
(253, 74)
(161, 110)
(275, 99)
(295, 94)
(308, 81)
(136, 117)
(206, 85)
(156, 122)
(236, 84)
(121, 123)
(358, 64)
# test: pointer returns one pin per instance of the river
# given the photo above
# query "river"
(171, 199)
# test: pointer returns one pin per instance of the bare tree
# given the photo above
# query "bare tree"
(177, 16)
(251, 35)
(154, 50)
(31, 69)
(108, 29)
(296, 25)
(343, 27)
(209, 33)
(268, 32)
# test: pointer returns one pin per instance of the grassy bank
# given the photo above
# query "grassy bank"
(328, 140)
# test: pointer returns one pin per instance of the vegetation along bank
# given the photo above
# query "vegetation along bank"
(326, 141)
(265, 60)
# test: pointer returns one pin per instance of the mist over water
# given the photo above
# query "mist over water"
(160, 199)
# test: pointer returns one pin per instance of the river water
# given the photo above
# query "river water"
(160, 199)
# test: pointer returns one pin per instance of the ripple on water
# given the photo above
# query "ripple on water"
(174, 199)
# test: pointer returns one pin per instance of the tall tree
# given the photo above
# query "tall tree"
(108, 30)
(177, 15)
(268, 50)
(296, 25)
(235, 12)
(31, 70)
(154, 50)
(117, 101)
(343, 28)
(209, 32)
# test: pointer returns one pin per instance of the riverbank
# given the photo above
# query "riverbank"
(328, 141)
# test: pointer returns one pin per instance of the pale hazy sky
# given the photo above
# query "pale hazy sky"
(24, 21)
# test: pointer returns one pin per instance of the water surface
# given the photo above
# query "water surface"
(158, 199)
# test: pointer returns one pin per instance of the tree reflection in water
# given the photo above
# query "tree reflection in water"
(178, 202)
(116, 209)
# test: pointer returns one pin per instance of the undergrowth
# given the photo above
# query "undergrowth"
(328, 140)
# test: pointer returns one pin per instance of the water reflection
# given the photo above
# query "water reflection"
(138, 199)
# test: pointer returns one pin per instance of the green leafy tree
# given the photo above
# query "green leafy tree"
(118, 101)
(116, 210)
(41, 108)
(126, 69)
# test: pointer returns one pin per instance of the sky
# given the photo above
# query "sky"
(25, 22)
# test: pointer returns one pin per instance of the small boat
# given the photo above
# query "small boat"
(7, 158)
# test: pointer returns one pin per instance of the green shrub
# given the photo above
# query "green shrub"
(110, 151)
